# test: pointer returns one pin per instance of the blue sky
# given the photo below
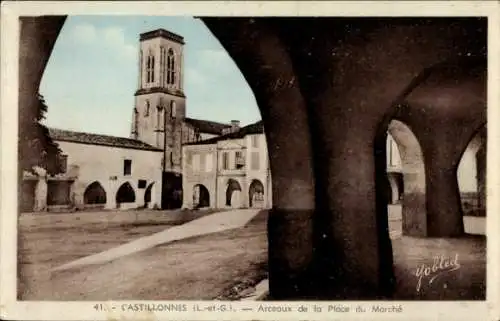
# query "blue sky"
(92, 74)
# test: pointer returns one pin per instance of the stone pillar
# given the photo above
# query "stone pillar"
(278, 95)
(267, 191)
(73, 195)
(445, 215)
(414, 213)
(111, 189)
(394, 189)
(351, 266)
(41, 195)
(448, 109)
(443, 147)
(37, 38)
(156, 195)
(139, 197)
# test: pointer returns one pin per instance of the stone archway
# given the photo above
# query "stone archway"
(256, 196)
(94, 195)
(345, 109)
(394, 186)
(481, 176)
(125, 195)
(233, 193)
(413, 179)
(471, 175)
(201, 196)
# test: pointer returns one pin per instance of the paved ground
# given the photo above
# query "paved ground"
(200, 267)
(47, 240)
(213, 223)
(216, 265)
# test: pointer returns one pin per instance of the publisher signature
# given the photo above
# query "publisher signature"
(440, 266)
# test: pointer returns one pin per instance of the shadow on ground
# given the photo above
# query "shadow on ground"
(224, 265)
(198, 268)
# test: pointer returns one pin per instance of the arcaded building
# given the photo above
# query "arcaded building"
(230, 171)
(99, 172)
(171, 160)
(143, 170)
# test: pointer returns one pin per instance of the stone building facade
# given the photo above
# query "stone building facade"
(159, 115)
(100, 172)
(225, 152)
(153, 151)
(230, 171)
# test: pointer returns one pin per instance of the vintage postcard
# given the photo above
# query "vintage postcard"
(250, 160)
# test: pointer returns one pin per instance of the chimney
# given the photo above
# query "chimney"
(235, 126)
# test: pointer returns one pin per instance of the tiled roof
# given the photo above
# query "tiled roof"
(96, 139)
(207, 126)
(255, 128)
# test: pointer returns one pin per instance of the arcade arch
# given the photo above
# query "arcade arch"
(291, 160)
(201, 196)
(256, 195)
(233, 193)
(94, 194)
(125, 194)
(410, 185)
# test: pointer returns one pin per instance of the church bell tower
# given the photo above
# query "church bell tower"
(160, 103)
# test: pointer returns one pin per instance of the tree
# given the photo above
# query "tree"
(36, 147)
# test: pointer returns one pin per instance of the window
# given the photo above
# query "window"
(173, 108)
(255, 161)
(159, 113)
(208, 163)
(170, 67)
(150, 70)
(225, 160)
(162, 66)
(203, 158)
(255, 141)
(141, 183)
(127, 167)
(146, 109)
(141, 66)
(196, 163)
(189, 158)
(171, 159)
(239, 161)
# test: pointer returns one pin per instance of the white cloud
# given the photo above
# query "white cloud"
(114, 35)
(113, 40)
(85, 33)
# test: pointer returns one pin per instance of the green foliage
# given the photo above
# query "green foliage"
(36, 147)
